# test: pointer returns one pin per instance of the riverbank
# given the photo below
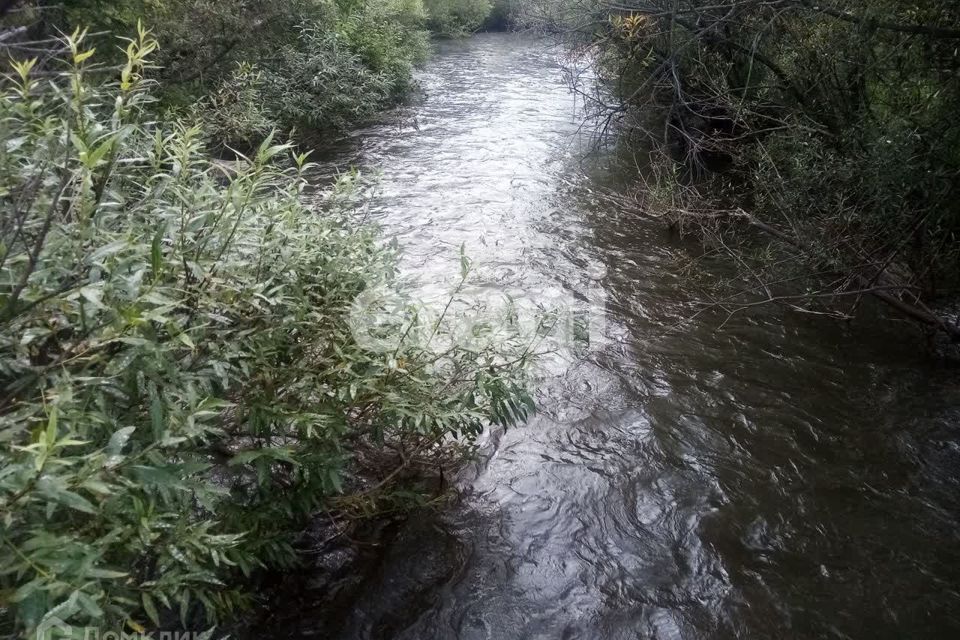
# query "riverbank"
(305, 69)
(817, 148)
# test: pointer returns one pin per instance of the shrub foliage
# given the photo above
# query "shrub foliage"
(179, 385)
(457, 17)
(248, 66)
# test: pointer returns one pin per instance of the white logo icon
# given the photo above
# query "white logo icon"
(53, 627)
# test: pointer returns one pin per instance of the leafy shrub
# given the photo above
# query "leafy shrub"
(327, 80)
(321, 84)
(200, 41)
(327, 77)
(234, 114)
(456, 17)
(389, 38)
(246, 67)
(179, 385)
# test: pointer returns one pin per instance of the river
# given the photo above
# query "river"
(781, 476)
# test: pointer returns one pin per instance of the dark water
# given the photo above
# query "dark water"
(782, 477)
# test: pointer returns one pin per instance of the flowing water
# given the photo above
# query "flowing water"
(783, 476)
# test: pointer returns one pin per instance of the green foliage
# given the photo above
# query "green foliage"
(247, 67)
(456, 17)
(200, 41)
(180, 388)
(327, 80)
(330, 75)
(235, 113)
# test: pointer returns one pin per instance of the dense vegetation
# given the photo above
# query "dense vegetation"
(244, 68)
(181, 382)
(817, 143)
(455, 17)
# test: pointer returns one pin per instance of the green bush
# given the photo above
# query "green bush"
(179, 386)
(320, 84)
(246, 67)
(235, 113)
(327, 77)
(327, 80)
(200, 41)
(456, 17)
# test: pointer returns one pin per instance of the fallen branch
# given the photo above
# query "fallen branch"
(919, 313)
